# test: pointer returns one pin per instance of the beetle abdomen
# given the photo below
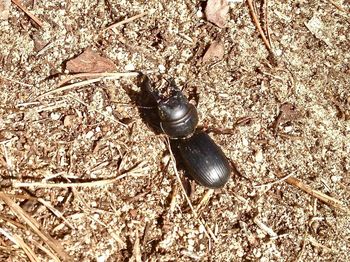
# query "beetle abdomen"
(204, 160)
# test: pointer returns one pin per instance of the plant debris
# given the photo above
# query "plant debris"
(215, 52)
(216, 12)
(90, 62)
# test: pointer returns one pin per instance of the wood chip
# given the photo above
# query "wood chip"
(216, 12)
(215, 52)
(90, 62)
(4, 9)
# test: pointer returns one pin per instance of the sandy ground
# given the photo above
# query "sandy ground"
(285, 118)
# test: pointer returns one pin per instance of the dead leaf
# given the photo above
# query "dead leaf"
(4, 9)
(288, 112)
(215, 52)
(90, 62)
(216, 12)
(39, 43)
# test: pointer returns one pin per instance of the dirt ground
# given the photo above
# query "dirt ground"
(287, 116)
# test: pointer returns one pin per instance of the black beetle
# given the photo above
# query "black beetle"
(204, 160)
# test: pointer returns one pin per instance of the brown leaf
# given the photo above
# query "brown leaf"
(215, 52)
(90, 62)
(288, 112)
(4, 9)
(216, 12)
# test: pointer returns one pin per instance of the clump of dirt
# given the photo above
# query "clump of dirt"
(286, 116)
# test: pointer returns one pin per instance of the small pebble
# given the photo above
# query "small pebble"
(259, 156)
(161, 69)
(89, 135)
(245, 141)
(55, 116)
(199, 14)
(129, 67)
(336, 179)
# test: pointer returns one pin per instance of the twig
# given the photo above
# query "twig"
(82, 184)
(258, 26)
(266, 17)
(19, 241)
(205, 199)
(96, 75)
(33, 224)
(264, 227)
(128, 20)
(274, 182)
(65, 185)
(100, 76)
(137, 249)
(55, 211)
(25, 10)
(319, 195)
(338, 6)
(15, 81)
(314, 242)
(47, 251)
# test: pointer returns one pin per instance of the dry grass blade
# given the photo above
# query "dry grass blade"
(46, 251)
(173, 161)
(128, 20)
(96, 75)
(19, 242)
(269, 185)
(315, 243)
(131, 172)
(205, 199)
(266, 18)
(99, 77)
(338, 6)
(258, 26)
(332, 202)
(15, 81)
(25, 10)
(32, 223)
(264, 227)
(55, 211)
(137, 249)
(66, 185)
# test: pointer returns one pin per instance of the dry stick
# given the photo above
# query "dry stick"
(319, 195)
(137, 249)
(33, 224)
(15, 81)
(258, 26)
(82, 184)
(173, 161)
(25, 10)
(90, 81)
(97, 75)
(55, 212)
(128, 20)
(267, 29)
(47, 251)
(274, 182)
(19, 241)
(66, 185)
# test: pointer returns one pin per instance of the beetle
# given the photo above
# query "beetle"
(202, 158)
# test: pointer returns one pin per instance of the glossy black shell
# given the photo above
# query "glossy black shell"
(179, 118)
(204, 160)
